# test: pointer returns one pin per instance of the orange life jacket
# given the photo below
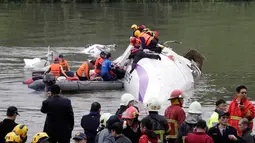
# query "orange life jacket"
(137, 43)
(64, 65)
(146, 37)
(98, 65)
(83, 70)
(55, 69)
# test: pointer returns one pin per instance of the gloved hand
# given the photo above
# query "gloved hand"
(158, 57)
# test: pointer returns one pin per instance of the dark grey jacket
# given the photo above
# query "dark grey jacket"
(247, 137)
(122, 139)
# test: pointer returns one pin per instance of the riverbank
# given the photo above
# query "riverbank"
(114, 1)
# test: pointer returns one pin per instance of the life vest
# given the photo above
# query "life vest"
(98, 65)
(64, 65)
(83, 70)
(214, 120)
(55, 69)
(146, 37)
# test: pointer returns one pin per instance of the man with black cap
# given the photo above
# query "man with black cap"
(222, 132)
(80, 138)
(8, 124)
(60, 118)
(91, 122)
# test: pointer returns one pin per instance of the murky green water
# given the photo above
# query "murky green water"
(222, 32)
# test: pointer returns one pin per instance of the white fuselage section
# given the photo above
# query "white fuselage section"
(158, 78)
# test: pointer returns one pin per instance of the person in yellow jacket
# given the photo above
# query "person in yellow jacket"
(221, 106)
(83, 72)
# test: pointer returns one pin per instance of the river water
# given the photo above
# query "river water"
(222, 32)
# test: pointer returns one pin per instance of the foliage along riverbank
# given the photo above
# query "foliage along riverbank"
(113, 1)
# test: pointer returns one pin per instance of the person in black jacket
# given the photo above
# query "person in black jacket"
(247, 135)
(138, 55)
(60, 117)
(91, 122)
(222, 132)
(116, 131)
(8, 124)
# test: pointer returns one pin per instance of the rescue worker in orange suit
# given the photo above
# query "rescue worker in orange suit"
(240, 107)
(83, 72)
(56, 69)
(147, 41)
(99, 62)
(154, 34)
(175, 115)
(63, 63)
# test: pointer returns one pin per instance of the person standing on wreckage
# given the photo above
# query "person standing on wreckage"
(138, 55)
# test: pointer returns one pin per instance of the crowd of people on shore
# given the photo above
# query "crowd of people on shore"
(230, 124)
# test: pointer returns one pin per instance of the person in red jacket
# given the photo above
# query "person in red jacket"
(148, 136)
(175, 115)
(199, 135)
(240, 107)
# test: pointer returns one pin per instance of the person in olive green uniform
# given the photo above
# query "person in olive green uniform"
(221, 106)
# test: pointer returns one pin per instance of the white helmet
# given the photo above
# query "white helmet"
(126, 98)
(104, 118)
(195, 108)
(153, 105)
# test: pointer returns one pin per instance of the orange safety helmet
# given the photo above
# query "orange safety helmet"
(56, 59)
(130, 113)
(176, 94)
(133, 40)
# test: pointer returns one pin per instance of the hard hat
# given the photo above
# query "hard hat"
(142, 27)
(133, 40)
(56, 59)
(146, 29)
(104, 118)
(134, 26)
(176, 94)
(21, 130)
(126, 98)
(137, 33)
(12, 138)
(195, 108)
(154, 105)
(61, 56)
(130, 113)
(150, 32)
(40, 137)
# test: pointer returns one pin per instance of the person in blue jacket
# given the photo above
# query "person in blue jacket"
(106, 69)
